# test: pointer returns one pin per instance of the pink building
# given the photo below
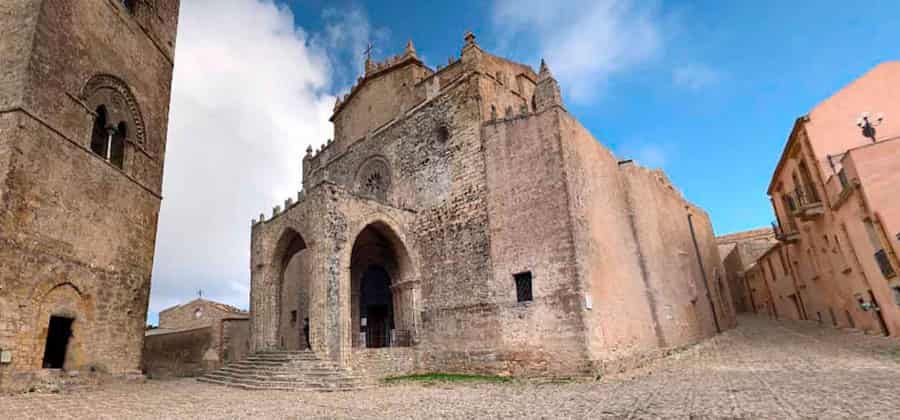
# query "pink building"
(835, 195)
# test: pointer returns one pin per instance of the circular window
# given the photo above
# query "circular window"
(374, 178)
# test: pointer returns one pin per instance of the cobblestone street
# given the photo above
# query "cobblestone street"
(763, 369)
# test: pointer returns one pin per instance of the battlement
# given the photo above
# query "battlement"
(278, 210)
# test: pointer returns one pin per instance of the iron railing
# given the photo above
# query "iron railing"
(805, 195)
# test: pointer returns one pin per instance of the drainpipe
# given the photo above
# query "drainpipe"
(712, 306)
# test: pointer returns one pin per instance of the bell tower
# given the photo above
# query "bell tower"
(84, 104)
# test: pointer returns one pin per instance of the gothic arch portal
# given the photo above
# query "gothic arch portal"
(382, 281)
(292, 262)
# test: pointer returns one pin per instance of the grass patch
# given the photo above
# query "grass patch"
(448, 377)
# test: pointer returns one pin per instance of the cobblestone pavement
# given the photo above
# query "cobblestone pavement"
(762, 369)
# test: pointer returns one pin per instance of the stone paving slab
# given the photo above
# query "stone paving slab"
(762, 369)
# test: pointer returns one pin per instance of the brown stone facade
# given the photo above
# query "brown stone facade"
(195, 337)
(834, 193)
(462, 220)
(739, 251)
(84, 102)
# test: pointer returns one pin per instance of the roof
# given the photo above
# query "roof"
(221, 306)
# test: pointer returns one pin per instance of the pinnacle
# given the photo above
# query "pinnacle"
(544, 73)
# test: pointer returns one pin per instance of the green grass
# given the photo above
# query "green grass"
(447, 377)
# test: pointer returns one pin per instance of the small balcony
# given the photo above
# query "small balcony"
(806, 203)
(884, 263)
(781, 235)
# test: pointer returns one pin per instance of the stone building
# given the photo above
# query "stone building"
(834, 192)
(462, 220)
(195, 337)
(84, 102)
(738, 251)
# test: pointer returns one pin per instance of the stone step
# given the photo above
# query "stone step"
(291, 387)
(264, 366)
(301, 377)
(286, 370)
(268, 379)
(283, 369)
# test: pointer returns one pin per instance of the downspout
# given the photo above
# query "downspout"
(712, 306)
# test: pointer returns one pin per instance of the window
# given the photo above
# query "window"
(842, 177)
(881, 255)
(99, 135)
(198, 313)
(130, 5)
(523, 287)
(443, 134)
(293, 317)
(108, 140)
(896, 290)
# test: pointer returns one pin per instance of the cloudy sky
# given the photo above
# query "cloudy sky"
(704, 89)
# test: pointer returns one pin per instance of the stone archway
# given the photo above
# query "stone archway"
(382, 300)
(57, 346)
(293, 265)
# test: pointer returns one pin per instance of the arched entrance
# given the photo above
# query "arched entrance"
(382, 298)
(294, 263)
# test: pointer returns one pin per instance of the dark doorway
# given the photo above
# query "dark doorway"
(58, 334)
(376, 307)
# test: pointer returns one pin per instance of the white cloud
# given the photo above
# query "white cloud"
(651, 155)
(249, 95)
(695, 76)
(585, 42)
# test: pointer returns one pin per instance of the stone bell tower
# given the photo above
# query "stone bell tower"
(84, 102)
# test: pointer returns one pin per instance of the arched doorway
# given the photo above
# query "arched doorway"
(381, 296)
(294, 263)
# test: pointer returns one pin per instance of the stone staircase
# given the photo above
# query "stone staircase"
(286, 371)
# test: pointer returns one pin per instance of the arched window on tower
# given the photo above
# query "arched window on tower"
(99, 135)
(117, 146)
(129, 5)
(108, 140)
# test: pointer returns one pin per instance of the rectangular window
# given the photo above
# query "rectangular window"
(896, 290)
(842, 177)
(523, 286)
(293, 317)
(881, 256)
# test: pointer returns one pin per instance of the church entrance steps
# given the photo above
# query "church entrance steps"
(286, 370)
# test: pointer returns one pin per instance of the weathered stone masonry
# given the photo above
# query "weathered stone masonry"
(77, 215)
(511, 240)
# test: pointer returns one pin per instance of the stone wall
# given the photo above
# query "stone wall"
(76, 232)
(235, 339)
(179, 353)
(527, 204)
(386, 362)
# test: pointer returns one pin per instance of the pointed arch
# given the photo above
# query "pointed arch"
(381, 279)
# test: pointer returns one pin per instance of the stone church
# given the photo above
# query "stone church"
(84, 102)
(462, 220)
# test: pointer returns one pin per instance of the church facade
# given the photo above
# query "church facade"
(462, 220)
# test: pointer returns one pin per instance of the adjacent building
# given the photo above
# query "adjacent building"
(463, 220)
(834, 192)
(195, 337)
(739, 251)
(84, 103)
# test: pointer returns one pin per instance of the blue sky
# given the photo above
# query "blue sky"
(707, 90)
